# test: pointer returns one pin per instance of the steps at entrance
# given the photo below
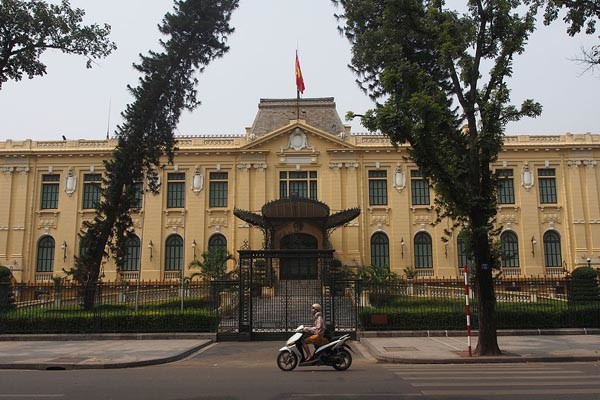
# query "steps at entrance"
(303, 288)
(287, 312)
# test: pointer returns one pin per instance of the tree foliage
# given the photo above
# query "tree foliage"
(28, 28)
(438, 79)
(213, 265)
(197, 32)
(578, 14)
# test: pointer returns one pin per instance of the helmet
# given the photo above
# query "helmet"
(316, 307)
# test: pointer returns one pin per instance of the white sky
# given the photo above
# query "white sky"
(74, 101)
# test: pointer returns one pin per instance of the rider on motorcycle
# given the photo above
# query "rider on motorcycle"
(318, 332)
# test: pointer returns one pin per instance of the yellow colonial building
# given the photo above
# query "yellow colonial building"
(380, 208)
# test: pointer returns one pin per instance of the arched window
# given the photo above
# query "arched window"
(380, 250)
(510, 249)
(217, 242)
(552, 253)
(464, 258)
(45, 254)
(132, 254)
(174, 253)
(423, 251)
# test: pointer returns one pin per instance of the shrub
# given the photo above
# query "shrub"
(7, 301)
(585, 285)
(110, 321)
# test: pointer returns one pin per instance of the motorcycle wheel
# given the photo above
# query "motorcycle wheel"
(342, 360)
(287, 361)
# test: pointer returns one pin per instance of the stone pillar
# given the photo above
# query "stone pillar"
(353, 244)
(577, 212)
(593, 208)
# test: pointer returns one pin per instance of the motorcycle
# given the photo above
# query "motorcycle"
(336, 353)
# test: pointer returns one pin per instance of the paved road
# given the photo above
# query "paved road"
(248, 371)
(506, 381)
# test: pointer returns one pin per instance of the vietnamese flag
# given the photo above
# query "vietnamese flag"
(299, 79)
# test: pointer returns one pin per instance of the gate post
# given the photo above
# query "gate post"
(245, 296)
(325, 259)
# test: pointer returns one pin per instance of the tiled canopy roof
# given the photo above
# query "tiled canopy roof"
(296, 208)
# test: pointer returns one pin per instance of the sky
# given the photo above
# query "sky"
(82, 103)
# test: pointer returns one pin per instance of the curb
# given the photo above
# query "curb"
(131, 364)
(500, 332)
(474, 360)
(106, 336)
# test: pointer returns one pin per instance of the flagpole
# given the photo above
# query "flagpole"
(297, 104)
(297, 92)
(299, 85)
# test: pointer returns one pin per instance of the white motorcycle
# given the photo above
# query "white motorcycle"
(336, 353)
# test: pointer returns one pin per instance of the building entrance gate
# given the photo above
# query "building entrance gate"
(272, 303)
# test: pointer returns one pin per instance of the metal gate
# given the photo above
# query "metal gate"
(273, 301)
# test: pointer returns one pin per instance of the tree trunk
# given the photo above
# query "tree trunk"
(94, 262)
(99, 234)
(487, 344)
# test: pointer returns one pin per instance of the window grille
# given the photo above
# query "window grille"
(131, 262)
(174, 253)
(423, 251)
(552, 253)
(45, 254)
(419, 187)
(506, 188)
(298, 183)
(218, 189)
(138, 195)
(510, 250)
(380, 250)
(92, 190)
(50, 185)
(378, 188)
(176, 190)
(547, 181)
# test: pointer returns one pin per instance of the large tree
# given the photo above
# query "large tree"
(28, 28)
(578, 14)
(438, 79)
(197, 32)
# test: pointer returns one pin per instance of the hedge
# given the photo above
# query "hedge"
(89, 322)
(508, 315)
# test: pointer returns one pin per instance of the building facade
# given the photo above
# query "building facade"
(549, 201)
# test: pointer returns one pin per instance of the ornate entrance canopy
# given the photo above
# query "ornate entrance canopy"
(281, 211)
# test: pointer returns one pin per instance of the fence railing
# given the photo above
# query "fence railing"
(117, 307)
(417, 304)
(521, 303)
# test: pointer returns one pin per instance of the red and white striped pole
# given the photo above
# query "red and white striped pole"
(466, 270)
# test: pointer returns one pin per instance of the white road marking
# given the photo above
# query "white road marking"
(202, 350)
(489, 393)
(506, 383)
(470, 373)
(504, 377)
(447, 344)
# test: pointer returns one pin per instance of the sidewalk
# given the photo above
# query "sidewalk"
(519, 347)
(44, 352)
(47, 352)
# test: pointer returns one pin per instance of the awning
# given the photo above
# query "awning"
(296, 209)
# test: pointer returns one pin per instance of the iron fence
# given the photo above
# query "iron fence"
(191, 306)
(521, 303)
(118, 307)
